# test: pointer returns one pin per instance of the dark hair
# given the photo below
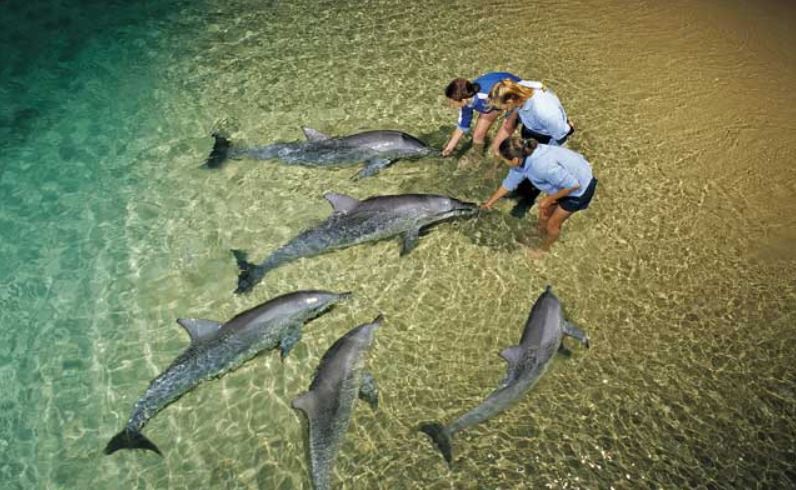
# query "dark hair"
(461, 88)
(512, 148)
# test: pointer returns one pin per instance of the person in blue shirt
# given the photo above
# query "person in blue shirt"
(564, 175)
(536, 106)
(471, 97)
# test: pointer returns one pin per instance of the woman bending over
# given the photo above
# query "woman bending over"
(564, 175)
(471, 97)
(537, 107)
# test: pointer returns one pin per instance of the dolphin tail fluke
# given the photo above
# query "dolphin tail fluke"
(129, 439)
(441, 437)
(249, 273)
(220, 152)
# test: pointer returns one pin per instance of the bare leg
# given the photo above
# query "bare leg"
(544, 217)
(506, 129)
(553, 228)
(482, 126)
(476, 153)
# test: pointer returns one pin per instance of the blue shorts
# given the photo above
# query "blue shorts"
(573, 204)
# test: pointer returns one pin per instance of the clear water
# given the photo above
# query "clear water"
(682, 271)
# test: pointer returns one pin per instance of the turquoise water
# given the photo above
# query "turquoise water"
(110, 231)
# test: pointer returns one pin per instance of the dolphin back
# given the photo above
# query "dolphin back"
(384, 139)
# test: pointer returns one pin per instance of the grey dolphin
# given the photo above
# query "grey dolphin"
(527, 362)
(328, 403)
(216, 349)
(378, 149)
(353, 222)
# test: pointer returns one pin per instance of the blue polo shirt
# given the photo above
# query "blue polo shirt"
(551, 169)
(480, 101)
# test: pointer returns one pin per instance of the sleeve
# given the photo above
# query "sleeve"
(531, 84)
(513, 179)
(560, 177)
(465, 118)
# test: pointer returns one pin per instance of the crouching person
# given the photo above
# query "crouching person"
(562, 174)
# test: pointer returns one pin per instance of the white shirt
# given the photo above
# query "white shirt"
(543, 113)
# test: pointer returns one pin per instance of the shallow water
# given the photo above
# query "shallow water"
(682, 271)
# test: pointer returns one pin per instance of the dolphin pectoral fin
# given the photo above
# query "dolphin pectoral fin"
(372, 167)
(314, 134)
(289, 340)
(576, 333)
(410, 240)
(368, 391)
(199, 329)
(341, 203)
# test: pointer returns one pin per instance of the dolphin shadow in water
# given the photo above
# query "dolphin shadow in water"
(526, 363)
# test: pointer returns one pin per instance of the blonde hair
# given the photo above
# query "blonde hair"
(507, 91)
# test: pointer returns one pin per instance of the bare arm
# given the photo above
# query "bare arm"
(508, 127)
(496, 196)
(549, 200)
(451, 145)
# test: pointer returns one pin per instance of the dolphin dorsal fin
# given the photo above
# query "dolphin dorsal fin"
(199, 329)
(306, 403)
(513, 354)
(340, 202)
(314, 134)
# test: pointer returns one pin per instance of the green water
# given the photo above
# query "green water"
(682, 271)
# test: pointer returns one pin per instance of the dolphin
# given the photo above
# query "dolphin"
(527, 362)
(353, 222)
(217, 349)
(378, 149)
(328, 403)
